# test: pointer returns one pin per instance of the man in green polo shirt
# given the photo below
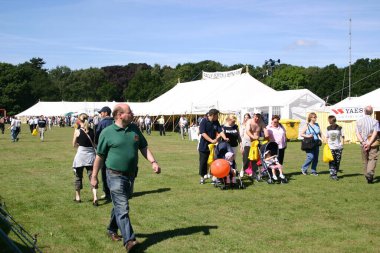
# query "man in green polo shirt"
(118, 146)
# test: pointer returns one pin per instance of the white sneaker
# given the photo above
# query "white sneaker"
(242, 173)
(282, 176)
(274, 178)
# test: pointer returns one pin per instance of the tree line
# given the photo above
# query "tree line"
(23, 85)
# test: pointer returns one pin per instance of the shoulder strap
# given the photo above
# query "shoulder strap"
(88, 137)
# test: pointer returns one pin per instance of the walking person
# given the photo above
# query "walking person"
(42, 126)
(182, 126)
(161, 125)
(15, 128)
(118, 146)
(148, 124)
(277, 133)
(311, 129)
(105, 121)
(367, 129)
(335, 140)
(85, 156)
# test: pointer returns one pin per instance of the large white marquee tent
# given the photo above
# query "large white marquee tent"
(230, 95)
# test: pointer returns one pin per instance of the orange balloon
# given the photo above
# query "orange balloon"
(220, 168)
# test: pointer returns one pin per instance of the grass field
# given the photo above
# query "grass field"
(172, 212)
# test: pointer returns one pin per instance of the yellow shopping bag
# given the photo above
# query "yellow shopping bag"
(327, 155)
(211, 147)
(35, 132)
(253, 154)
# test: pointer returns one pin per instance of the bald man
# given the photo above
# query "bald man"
(118, 145)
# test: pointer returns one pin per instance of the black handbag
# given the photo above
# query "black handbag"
(307, 143)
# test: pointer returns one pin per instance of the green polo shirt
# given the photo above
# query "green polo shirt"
(119, 147)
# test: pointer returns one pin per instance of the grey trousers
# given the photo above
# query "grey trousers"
(369, 159)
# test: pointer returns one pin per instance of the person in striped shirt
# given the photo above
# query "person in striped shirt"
(366, 131)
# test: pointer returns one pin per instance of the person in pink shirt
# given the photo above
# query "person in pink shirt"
(277, 133)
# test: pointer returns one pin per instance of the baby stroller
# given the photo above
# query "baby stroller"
(264, 170)
(220, 151)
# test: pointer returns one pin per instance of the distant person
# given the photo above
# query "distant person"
(182, 126)
(140, 123)
(118, 146)
(2, 124)
(42, 126)
(148, 124)
(367, 133)
(105, 121)
(311, 129)
(15, 128)
(31, 124)
(161, 125)
(85, 156)
(335, 140)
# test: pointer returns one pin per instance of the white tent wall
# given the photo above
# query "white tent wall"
(91, 108)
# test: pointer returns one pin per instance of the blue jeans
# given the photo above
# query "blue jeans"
(121, 188)
(311, 158)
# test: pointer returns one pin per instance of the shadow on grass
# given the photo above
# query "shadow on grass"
(139, 194)
(136, 194)
(350, 175)
(158, 237)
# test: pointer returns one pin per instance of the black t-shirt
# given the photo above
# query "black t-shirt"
(83, 139)
(41, 123)
(232, 133)
(211, 128)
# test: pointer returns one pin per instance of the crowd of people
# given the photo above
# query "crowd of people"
(109, 143)
(253, 131)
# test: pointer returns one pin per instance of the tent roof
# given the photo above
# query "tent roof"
(371, 98)
(197, 97)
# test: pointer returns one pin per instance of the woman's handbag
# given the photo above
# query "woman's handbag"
(327, 154)
(307, 143)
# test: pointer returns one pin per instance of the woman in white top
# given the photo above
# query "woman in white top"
(335, 140)
(277, 133)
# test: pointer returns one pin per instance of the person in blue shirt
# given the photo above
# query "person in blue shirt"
(311, 129)
(210, 131)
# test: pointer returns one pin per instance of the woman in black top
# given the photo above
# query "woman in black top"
(85, 156)
(231, 130)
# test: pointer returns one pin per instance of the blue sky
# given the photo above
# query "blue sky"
(96, 33)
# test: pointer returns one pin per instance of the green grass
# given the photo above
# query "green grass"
(171, 212)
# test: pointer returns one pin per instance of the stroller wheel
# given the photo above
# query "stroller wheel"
(270, 181)
(284, 181)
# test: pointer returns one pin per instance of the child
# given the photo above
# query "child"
(231, 178)
(273, 164)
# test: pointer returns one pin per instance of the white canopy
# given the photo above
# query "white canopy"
(372, 98)
(228, 95)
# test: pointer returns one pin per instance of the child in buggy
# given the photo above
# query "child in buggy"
(270, 163)
(224, 151)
